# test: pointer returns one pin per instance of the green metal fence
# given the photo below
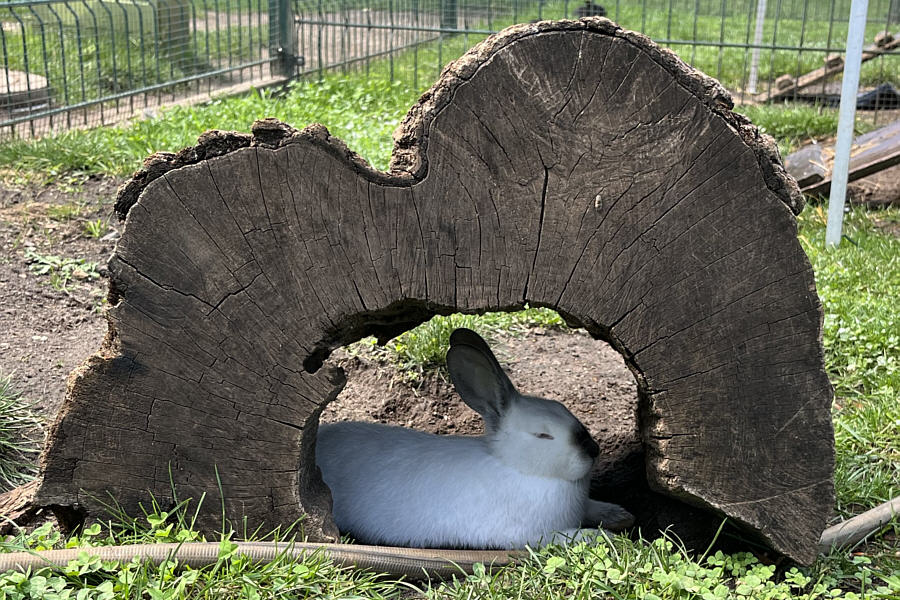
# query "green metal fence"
(77, 63)
(415, 38)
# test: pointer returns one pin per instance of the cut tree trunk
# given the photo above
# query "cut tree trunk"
(566, 164)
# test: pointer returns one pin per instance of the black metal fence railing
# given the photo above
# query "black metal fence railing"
(77, 63)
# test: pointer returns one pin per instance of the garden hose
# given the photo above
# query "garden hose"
(416, 563)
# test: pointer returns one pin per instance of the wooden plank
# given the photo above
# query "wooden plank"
(807, 165)
(786, 86)
(872, 164)
(871, 152)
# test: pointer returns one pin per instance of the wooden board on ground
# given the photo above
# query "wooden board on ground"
(786, 86)
(872, 152)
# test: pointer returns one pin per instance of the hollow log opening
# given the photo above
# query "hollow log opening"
(586, 375)
(566, 164)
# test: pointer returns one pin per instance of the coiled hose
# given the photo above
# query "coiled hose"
(414, 563)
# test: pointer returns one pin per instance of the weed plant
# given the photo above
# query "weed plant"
(20, 437)
(424, 348)
(60, 271)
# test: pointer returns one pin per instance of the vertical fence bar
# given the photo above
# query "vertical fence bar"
(319, 61)
(757, 42)
(747, 50)
(191, 60)
(207, 59)
(696, 19)
(721, 57)
(25, 60)
(141, 28)
(129, 78)
(113, 51)
(80, 61)
(47, 74)
(62, 59)
(5, 49)
(830, 34)
(284, 39)
(778, 6)
(803, 18)
(847, 114)
(345, 18)
(390, 43)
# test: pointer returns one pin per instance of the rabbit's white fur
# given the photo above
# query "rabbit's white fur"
(524, 482)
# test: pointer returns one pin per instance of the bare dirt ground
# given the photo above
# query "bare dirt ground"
(46, 331)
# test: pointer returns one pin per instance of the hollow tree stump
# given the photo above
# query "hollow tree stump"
(568, 164)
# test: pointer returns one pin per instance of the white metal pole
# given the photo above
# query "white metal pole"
(757, 41)
(846, 118)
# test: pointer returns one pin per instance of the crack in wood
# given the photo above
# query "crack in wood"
(540, 232)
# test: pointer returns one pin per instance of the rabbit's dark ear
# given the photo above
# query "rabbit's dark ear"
(462, 335)
(478, 377)
(467, 337)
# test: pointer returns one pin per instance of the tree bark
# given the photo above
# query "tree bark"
(570, 164)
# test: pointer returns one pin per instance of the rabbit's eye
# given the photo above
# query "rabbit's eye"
(543, 436)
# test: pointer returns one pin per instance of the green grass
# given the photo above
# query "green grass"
(609, 568)
(363, 105)
(232, 576)
(792, 125)
(859, 284)
(20, 437)
(671, 23)
(361, 112)
(424, 348)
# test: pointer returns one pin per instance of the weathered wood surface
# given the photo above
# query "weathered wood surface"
(568, 164)
(871, 152)
(16, 505)
(884, 42)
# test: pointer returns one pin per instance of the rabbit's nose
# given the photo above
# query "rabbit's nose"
(587, 443)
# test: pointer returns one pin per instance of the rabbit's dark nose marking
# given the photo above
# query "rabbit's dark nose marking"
(587, 443)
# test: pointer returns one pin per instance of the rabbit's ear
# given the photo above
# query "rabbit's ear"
(478, 377)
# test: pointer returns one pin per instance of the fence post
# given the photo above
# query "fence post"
(757, 41)
(846, 118)
(281, 37)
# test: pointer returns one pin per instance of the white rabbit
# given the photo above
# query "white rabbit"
(524, 482)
